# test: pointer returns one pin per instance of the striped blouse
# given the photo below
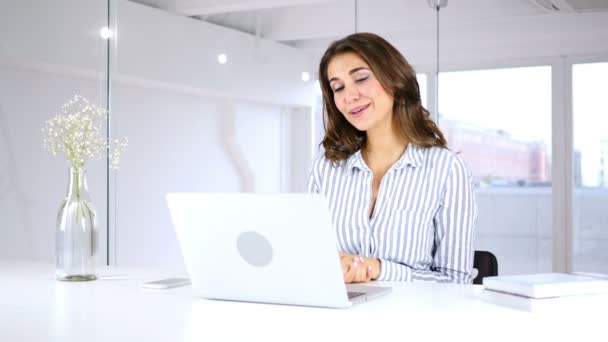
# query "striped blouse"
(423, 222)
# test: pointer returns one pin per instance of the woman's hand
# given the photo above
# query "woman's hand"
(357, 269)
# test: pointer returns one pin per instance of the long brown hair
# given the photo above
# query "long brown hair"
(398, 79)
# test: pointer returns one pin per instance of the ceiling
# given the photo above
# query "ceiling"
(310, 25)
(294, 21)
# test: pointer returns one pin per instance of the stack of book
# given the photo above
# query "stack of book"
(550, 292)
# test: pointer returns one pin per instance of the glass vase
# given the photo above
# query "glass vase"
(76, 235)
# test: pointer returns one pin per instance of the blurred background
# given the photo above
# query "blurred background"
(223, 96)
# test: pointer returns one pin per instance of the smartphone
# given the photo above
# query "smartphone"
(165, 283)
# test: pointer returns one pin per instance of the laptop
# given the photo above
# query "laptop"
(265, 248)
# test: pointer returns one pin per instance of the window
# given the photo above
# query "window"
(499, 122)
(422, 85)
(590, 116)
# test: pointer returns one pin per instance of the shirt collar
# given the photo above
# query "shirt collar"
(413, 156)
(356, 160)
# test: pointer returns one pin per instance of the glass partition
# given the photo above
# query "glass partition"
(217, 110)
(49, 52)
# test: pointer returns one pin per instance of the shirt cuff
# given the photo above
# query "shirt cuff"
(390, 270)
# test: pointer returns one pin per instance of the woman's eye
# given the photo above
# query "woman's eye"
(362, 79)
(337, 90)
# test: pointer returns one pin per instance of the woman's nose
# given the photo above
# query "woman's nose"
(352, 94)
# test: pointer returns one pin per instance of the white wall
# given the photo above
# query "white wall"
(177, 146)
(49, 51)
(197, 126)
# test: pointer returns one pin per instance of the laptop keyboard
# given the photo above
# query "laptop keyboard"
(352, 295)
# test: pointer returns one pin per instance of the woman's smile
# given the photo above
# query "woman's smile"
(359, 111)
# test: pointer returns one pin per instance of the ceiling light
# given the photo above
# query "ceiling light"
(305, 76)
(106, 33)
(222, 58)
(438, 3)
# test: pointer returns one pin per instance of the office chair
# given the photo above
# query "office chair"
(486, 264)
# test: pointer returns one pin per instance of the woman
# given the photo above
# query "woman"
(402, 203)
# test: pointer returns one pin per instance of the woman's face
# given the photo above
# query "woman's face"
(358, 94)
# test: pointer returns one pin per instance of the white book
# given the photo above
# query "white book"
(553, 305)
(547, 285)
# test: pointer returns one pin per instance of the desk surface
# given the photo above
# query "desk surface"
(36, 307)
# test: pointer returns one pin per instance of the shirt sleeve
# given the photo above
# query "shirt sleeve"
(313, 179)
(454, 227)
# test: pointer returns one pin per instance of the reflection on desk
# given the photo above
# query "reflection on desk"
(36, 307)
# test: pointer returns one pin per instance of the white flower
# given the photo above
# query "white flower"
(77, 133)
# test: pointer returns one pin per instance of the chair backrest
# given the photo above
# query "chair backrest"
(486, 264)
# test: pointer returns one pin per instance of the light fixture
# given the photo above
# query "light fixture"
(106, 33)
(222, 58)
(305, 76)
(438, 3)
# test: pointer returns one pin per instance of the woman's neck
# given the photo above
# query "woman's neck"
(383, 149)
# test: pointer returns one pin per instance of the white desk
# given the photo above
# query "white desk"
(36, 307)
